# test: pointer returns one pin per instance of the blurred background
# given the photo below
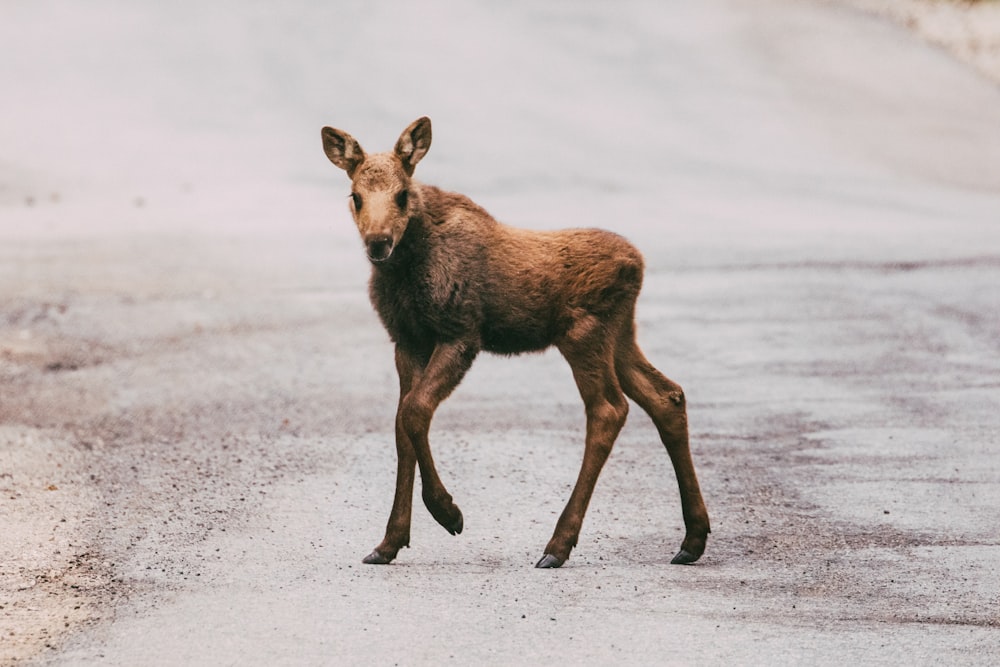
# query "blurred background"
(550, 114)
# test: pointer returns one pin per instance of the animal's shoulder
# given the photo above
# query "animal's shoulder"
(441, 206)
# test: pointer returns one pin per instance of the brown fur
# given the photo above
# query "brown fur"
(449, 281)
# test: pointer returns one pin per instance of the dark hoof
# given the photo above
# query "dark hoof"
(448, 515)
(375, 558)
(684, 558)
(455, 527)
(549, 561)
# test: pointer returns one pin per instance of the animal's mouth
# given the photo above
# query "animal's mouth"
(379, 249)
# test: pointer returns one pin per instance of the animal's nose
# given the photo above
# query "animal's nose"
(379, 247)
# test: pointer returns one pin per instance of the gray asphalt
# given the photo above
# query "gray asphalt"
(202, 379)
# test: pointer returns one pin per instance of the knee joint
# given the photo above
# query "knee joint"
(610, 413)
(414, 415)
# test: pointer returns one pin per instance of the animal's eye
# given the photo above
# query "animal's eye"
(356, 199)
(402, 198)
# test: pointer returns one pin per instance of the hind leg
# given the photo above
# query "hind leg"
(664, 401)
(590, 356)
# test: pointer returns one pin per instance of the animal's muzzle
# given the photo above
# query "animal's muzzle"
(379, 248)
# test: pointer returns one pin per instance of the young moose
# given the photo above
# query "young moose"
(449, 281)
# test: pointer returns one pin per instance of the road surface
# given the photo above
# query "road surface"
(196, 400)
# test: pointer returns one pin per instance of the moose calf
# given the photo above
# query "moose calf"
(449, 281)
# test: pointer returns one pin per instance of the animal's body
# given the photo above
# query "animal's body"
(449, 281)
(459, 274)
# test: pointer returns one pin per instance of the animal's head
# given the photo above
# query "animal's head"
(380, 184)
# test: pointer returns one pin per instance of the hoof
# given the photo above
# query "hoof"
(549, 561)
(450, 518)
(684, 558)
(455, 527)
(375, 558)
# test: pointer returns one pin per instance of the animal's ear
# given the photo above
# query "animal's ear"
(342, 149)
(413, 143)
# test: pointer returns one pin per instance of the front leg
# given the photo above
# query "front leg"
(397, 531)
(444, 371)
(422, 388)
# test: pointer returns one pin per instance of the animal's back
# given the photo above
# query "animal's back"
(543, 281)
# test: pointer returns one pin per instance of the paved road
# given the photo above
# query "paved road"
(196, 408)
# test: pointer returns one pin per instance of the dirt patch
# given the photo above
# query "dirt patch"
(118, 439)
(52, 578)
